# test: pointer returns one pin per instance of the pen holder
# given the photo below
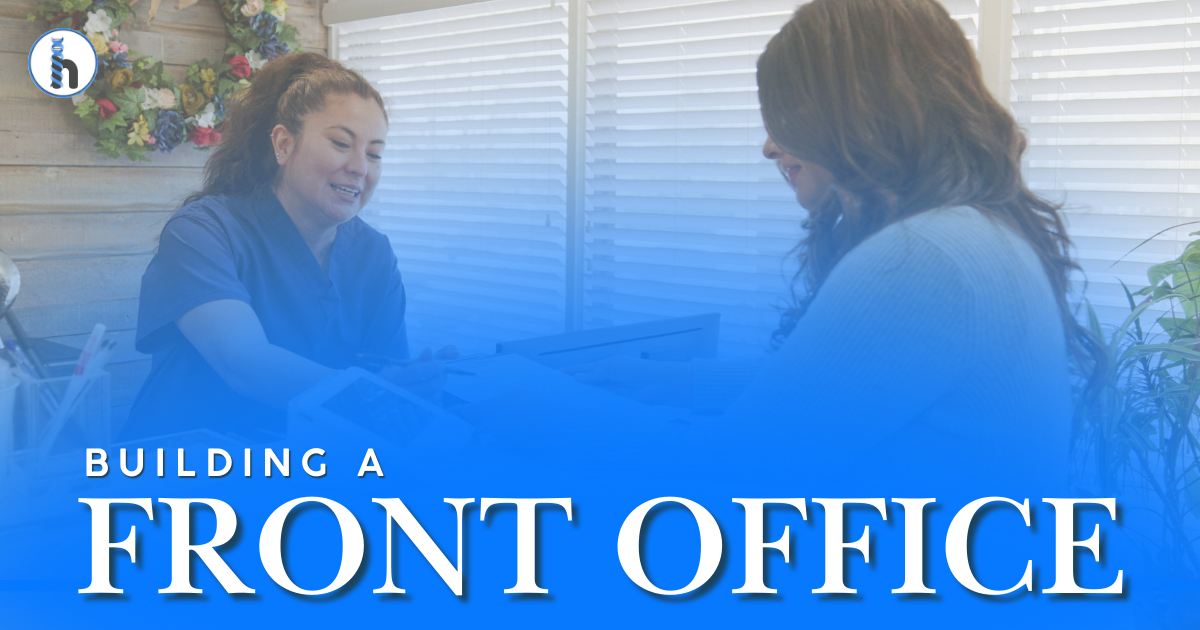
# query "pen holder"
(85, 424)
(8, 407)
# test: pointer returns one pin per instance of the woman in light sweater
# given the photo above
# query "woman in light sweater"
(930, 314)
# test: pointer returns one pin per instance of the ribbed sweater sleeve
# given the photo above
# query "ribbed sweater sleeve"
(935, 345)
(886, 336)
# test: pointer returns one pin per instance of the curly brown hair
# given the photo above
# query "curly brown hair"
(285, 91)
(887, 95)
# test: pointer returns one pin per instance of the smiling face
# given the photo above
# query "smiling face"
(811, 181)
(329, 171)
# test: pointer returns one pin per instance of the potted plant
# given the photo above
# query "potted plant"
(1138, 428)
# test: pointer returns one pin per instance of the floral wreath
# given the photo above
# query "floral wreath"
(134, 106)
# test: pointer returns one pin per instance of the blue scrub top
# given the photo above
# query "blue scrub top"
(247, 248)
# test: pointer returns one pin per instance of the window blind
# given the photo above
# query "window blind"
(683, 213)
(474, 178)
(1105, 91)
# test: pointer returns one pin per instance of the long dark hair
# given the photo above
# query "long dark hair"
(285, 91)
(887, 95)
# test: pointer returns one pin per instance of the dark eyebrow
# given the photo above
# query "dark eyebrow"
(353, 135)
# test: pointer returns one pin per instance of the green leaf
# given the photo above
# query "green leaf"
(1190, 250)
(86, 107)
(1192, 491)
(1147, 290)
(1178, 327)
(1093, 321)
(1157, 273)
(1130, 320)
(1165, 348)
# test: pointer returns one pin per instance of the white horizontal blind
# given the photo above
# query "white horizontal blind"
(1109, 94)
(684, 214)
(474, 179)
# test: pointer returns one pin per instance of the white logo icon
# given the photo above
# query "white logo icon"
(62, 63)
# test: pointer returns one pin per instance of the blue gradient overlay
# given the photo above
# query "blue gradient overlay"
(608, 458)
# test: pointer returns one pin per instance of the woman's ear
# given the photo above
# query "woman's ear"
(283, 142)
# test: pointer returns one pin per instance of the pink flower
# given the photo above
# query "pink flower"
(151, 140)
(241, 67)
(115, 32)
(117, 47)
(106, 107)
(204, 136)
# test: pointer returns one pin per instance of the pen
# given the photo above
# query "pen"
(77, 386)
(22, 362)
(97, 363)
(25, 366)
(89, 349)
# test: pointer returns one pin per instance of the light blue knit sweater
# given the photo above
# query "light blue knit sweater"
(942, 326)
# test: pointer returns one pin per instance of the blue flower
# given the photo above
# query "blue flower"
(120, 61)
(218, 102)
(272, 48)
(169, 131)
(263, 24)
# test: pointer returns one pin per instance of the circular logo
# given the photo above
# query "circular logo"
(62, 63)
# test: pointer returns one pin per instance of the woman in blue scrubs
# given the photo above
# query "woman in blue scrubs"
(266, 281)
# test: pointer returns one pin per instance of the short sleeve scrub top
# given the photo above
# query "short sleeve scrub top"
(247, 248)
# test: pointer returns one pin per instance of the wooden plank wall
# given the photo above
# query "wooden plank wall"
(82, 226)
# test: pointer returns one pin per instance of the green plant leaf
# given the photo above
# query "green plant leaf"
(1178, 327)
(1134, 316)
(1165, 348)
(1093, 321)
(1192, 491)
(1158, 273)
(86, 107)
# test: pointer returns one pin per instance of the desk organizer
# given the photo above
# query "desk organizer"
(87, 425)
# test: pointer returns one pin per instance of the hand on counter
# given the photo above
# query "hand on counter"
(423, 376)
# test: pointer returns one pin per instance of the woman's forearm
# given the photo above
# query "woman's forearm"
(273, 376)
(230, 337)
